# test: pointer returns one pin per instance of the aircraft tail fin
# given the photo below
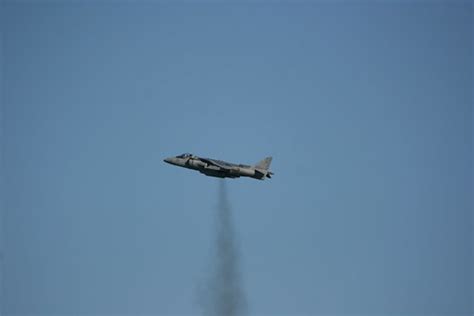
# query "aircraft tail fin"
(264, 164)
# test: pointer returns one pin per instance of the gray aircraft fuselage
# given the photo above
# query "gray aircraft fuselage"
(222, 169)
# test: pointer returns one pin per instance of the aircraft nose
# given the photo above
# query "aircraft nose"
(167, 160)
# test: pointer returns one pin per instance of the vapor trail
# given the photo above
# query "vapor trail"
(227, 296)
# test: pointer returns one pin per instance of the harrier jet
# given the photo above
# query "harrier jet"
(222, 169)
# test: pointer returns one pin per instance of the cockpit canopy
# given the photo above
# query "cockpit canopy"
(186, 155)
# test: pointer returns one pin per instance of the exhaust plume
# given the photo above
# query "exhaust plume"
(226, 295)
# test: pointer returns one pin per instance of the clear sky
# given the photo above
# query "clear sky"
(366, 108)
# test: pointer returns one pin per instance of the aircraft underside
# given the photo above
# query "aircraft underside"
(218, 174)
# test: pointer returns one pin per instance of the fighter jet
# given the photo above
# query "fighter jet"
(221, 169)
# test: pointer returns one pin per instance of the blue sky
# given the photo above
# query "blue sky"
(366, 108)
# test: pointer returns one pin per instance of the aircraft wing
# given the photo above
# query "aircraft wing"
(215, 163)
